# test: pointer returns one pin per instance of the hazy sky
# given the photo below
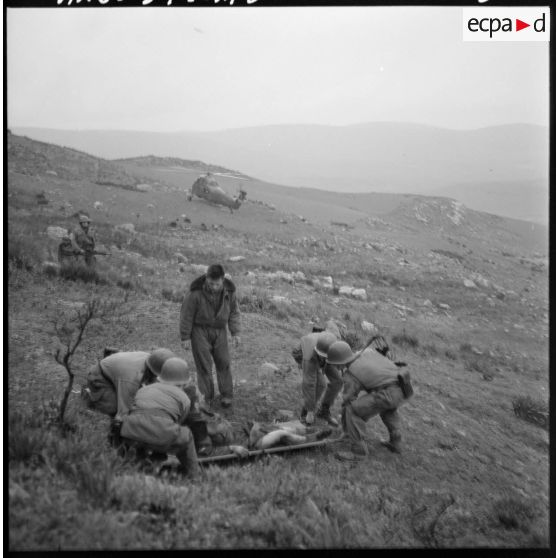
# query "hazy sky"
(171, 68)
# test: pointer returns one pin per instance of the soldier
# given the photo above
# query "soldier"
(83, 241)
(208, 308)
(113, 382)
(156, 420)
(379, 377)
(313, 353)
(67, 253)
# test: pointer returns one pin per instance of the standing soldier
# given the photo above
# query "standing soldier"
(385, 387)
(83, 241)
(313, 352)
(208, 308)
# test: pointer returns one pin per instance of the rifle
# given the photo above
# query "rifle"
(95, 253)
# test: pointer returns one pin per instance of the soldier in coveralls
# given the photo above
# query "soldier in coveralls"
(208, 308)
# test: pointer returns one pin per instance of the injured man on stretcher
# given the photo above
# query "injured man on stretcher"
(291, 433)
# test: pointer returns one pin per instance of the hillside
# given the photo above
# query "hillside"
(460, 295)
(375, 157)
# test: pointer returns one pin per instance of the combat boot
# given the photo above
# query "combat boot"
(226, 402)
(189, 460)
(394, 443)
(357, 453)
(325, 414)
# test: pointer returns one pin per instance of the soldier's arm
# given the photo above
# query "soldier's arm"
(75, 245)
(351, 388)
(234, 316)
(125, 393)
(187, 313)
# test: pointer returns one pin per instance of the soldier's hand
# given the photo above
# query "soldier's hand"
(239, 451)
(186, 344)
(236, 341)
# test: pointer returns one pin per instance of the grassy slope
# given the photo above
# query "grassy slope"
(472, 474)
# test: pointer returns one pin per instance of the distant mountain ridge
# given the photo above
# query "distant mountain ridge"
(374, 157)
(154, 161)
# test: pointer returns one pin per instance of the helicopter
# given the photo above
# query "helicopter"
(207, 188)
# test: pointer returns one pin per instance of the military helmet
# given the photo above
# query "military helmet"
(325, 340)
(84, 219)
(175, 372)
(340, 353)
(157, 358)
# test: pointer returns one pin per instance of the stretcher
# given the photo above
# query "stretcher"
(278, 449)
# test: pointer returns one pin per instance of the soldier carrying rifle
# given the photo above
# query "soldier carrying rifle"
(80, 242)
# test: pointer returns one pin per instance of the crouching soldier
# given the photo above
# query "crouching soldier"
(113, 382)
(385, 389)
(313, 352)
(156, 419)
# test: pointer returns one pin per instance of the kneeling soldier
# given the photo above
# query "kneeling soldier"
(156, 420)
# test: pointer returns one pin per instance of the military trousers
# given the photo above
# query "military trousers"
(314, 385)
(383, 402)
(210, 345)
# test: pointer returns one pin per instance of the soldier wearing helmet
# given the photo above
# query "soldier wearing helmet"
(113, 382)
(157, 419)
(83, 242)
(313, 349)
(378, 376)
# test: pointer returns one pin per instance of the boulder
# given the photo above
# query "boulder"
(345, 290)
(199, 268)
(128, 227)
(359, 294)
(368, 327)
(56, 233)
(469, 284)
(97, 205)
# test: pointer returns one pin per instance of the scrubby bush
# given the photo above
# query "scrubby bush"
(404, 339)
(78, 271)
(25, 440)
(531, 410)
(174, 295)
(451, 355)
(515, 513)
(355, 339)
(23, 253)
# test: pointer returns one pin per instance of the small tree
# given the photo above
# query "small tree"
(70, 330)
